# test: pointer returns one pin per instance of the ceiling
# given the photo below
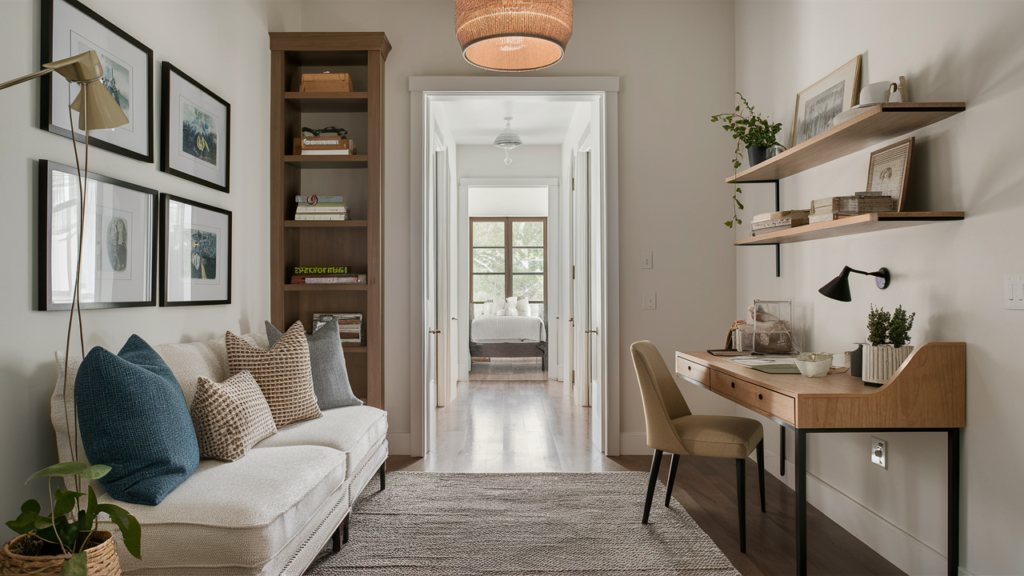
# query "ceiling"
(478, 121)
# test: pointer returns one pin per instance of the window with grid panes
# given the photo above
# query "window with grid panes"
(509, 258)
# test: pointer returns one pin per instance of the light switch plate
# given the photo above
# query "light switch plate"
(647, 260)
(879, 452)
(1013, 291)
(650, 302)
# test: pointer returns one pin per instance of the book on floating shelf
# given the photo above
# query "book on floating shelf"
(321, 217)
(321, 211)
(772, 221)
(861, 203)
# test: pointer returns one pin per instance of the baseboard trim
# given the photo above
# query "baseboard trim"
(400, 443)
(634, 443)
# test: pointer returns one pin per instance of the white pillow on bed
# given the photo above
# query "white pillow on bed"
(497, 305)
(500, 312)
(523, 307)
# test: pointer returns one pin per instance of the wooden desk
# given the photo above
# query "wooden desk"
(927, 394)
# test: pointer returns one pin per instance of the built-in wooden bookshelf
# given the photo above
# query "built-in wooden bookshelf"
(357, 243)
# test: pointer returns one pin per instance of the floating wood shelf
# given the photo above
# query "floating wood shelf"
(851, 225)
(353, 349)
(354, 161)
(883, 122)
(326, 223)
(328, 101)
(325, 287)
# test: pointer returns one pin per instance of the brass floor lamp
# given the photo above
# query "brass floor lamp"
(97, 110)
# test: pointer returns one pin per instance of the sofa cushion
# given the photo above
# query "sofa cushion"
(230, 417)
(133, 418)
(235, 517)
(327, 362)
(354, 430)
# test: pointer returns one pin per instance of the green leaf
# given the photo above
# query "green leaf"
(729, 224)
(737, 108)
(738, 221)
(131, 531)
(740, 204)
(66, 531)
(47, 533)
(62, 469)
(88, 516)
(96, 471)
(26, 521)
(64, 501)
(76, 565)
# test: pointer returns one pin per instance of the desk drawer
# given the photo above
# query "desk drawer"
(753, 396)
(692, 370)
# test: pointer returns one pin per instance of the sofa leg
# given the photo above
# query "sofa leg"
(383, 469)
(344, 529)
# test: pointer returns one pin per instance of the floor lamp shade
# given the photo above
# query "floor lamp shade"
(513, 35)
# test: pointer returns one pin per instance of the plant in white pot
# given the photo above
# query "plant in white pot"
(888, 344)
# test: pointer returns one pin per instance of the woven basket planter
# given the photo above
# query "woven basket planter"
(102, 559)
(881, 362)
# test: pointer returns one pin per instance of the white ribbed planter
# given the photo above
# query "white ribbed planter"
(881, 362)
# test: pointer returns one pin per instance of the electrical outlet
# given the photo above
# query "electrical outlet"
(647, 260)
(879, 451)
(1013, 291)
(650, 302)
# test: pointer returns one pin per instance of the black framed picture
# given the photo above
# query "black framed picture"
(68, 29)
(118, 241)
(196, 131)
(195, 253)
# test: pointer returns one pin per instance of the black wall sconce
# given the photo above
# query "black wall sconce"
(839, 287)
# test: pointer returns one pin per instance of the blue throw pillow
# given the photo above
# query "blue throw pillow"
(133, 418)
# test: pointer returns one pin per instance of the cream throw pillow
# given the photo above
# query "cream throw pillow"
(230, 417)
(523, 307)
(283, 373)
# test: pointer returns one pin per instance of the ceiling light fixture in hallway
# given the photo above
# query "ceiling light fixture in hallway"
(508, 140)
(513, 35)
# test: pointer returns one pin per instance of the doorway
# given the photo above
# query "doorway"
(590, 355)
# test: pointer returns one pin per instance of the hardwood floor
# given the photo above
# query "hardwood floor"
(507, 425)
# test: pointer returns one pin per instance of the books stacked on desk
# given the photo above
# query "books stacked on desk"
(837, 207)
(774, 221)
(321, 208)
(325, 275)
(350, 325)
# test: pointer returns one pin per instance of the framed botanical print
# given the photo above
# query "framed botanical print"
(195, 253)
(889, 171)
(196, 131)
(68, 29)
(118, 241)
(827, 98)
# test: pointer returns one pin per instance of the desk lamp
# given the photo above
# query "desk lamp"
(839, 287)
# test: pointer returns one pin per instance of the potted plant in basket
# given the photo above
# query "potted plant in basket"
(69, 540)
(888, 344)
(754, 132)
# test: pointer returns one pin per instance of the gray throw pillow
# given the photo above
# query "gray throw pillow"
(327, 360)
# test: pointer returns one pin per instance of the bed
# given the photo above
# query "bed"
(508, 337)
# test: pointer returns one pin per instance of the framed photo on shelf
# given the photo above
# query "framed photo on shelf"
(118, 241)
(196, 131)
(889, 171)
(68, 29)
(827, 98)
(195, 253)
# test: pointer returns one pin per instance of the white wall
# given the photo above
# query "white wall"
(950, 274)
(668, 199)
(523, 201)
(233, 60)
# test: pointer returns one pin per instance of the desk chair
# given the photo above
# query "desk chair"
(672, 428)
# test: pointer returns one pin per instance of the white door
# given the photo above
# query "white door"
(430, 307)
(580, 283)
(447, 289)
(594, 302)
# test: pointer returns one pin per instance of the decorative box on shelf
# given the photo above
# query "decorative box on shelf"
(326, 82)
(323, 145)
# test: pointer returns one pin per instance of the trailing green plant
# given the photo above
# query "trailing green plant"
(899, 327)
(62, 530)
(749, 130)
(878, 326)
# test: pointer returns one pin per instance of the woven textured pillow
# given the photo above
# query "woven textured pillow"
(327, 361)
(230, 417)
(282, 372)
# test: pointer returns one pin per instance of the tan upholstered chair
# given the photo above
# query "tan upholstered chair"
(672, 428)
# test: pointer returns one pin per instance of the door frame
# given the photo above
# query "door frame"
(599, 91)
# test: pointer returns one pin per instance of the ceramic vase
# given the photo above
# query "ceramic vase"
(881, 362)
(756, 155)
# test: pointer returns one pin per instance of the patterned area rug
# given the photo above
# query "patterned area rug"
(453, 524)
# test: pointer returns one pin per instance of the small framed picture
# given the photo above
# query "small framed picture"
(118, 241)
(818, 105)
(889, 171)
(195, 253)
(196, 134)
(69, 29)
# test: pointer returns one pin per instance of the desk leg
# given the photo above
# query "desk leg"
(953, 518)
(801, 502)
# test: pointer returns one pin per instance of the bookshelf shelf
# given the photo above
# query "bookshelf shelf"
(848, 226)
(354, 243)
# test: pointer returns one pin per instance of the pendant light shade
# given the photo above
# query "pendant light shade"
(508, 140)
(513, 35)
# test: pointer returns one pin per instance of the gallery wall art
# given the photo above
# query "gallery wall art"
(196, 131)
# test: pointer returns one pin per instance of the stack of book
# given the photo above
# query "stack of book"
(320, 208)
(323, 146)
(837, 207)
(325, 275)
(350, 325)
(774, 221)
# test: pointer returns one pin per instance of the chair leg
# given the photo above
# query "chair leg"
(671, 479)
(741, 500)
(383, 469)
(760, 471)
(655, 464)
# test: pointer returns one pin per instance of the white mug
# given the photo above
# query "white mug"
(875, 93)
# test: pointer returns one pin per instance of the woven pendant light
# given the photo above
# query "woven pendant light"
(513, 35)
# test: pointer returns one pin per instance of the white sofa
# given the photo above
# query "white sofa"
(270, 512)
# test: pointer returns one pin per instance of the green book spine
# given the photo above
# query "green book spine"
(320, 270)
